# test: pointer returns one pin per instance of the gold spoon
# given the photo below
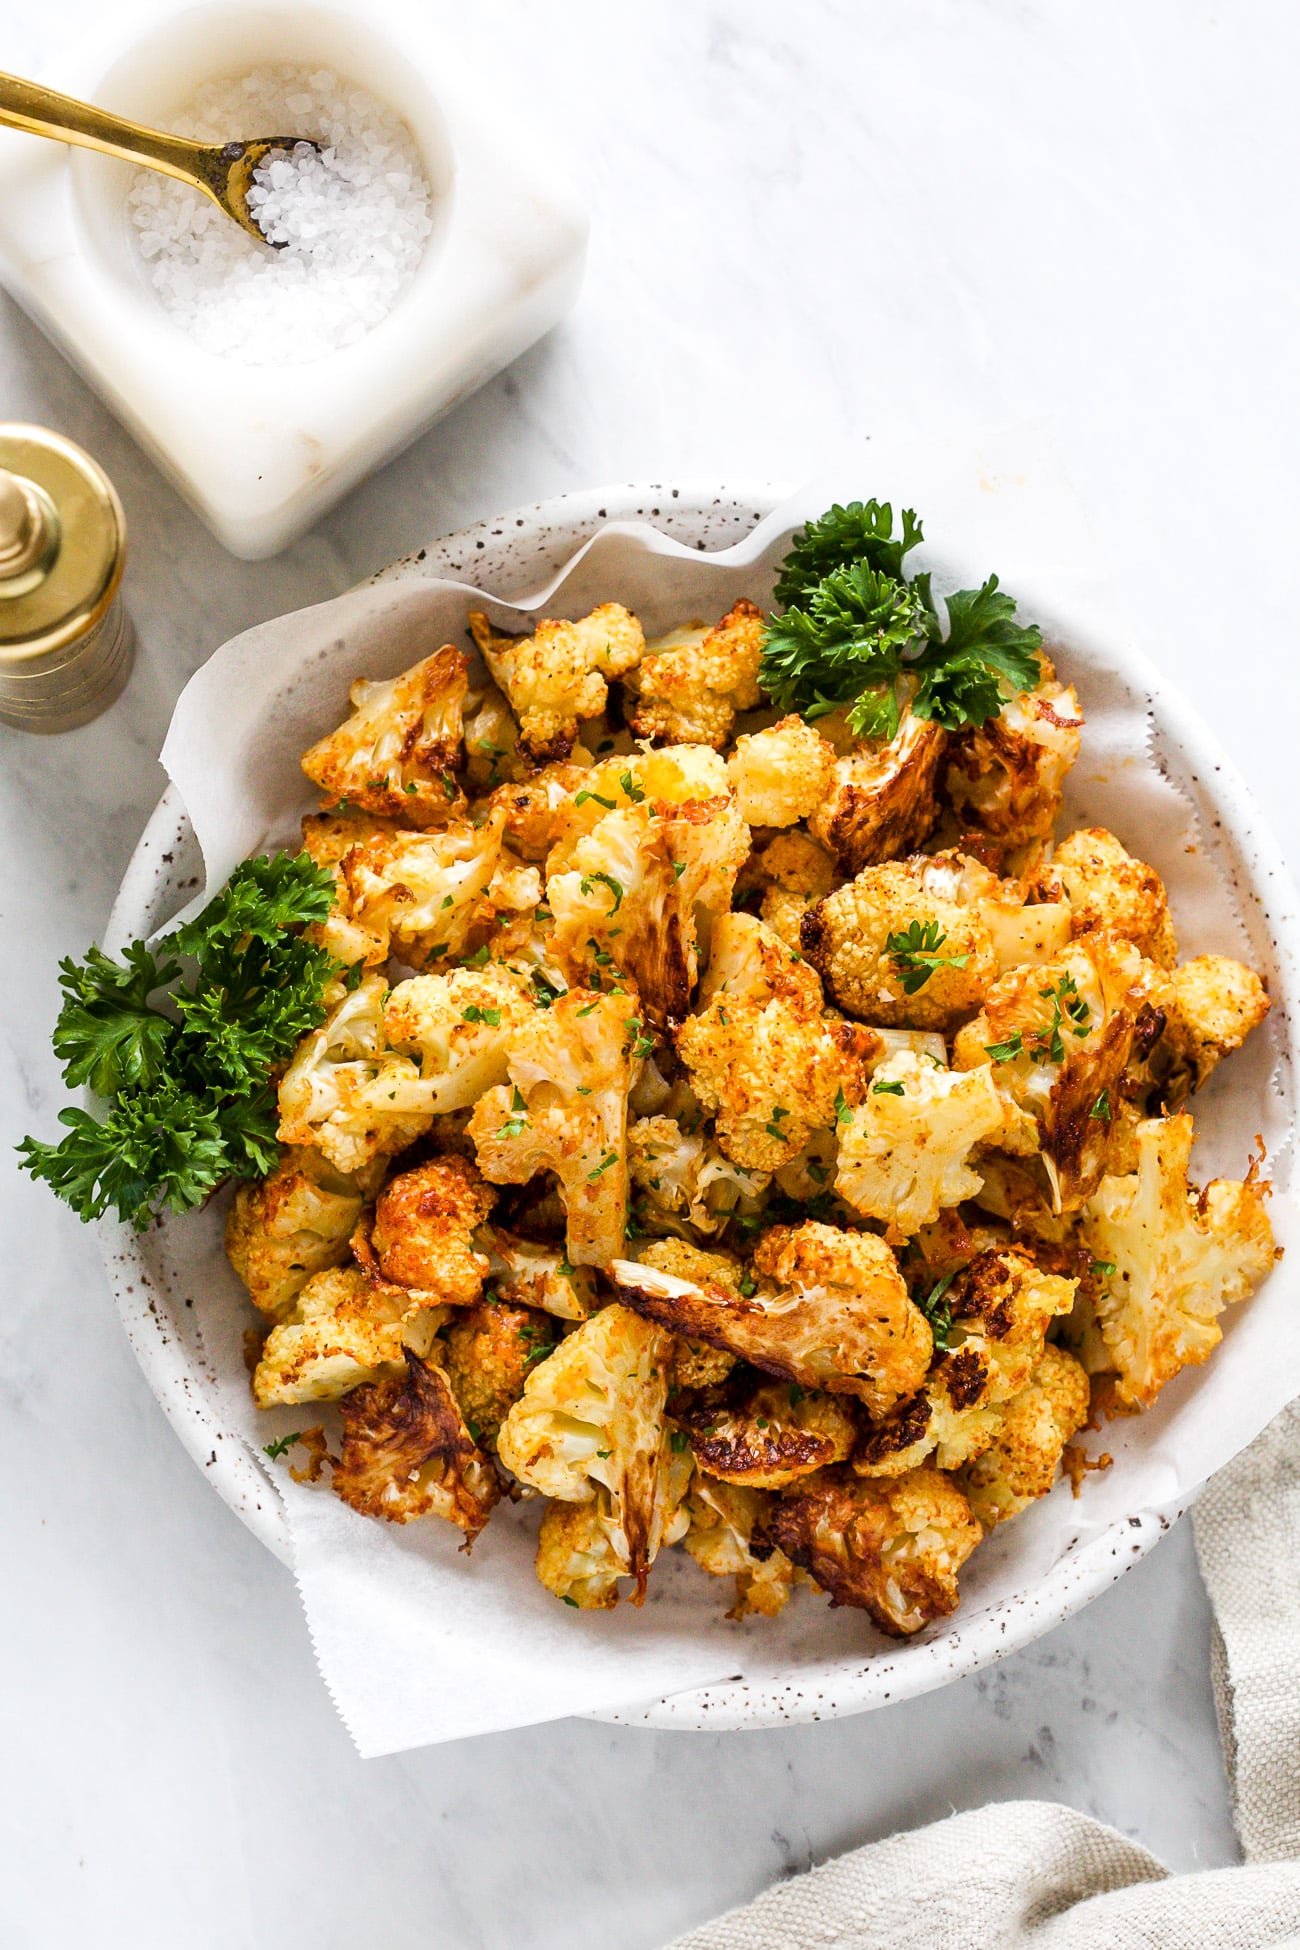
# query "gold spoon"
(222, 170)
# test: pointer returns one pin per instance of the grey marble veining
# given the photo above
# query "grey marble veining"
(807, 220)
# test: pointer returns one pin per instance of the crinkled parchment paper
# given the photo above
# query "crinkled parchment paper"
(419, 1642)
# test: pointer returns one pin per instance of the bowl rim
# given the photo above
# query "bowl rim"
(171, 1358)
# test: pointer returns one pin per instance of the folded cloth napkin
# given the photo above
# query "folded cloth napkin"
(1033, 1874)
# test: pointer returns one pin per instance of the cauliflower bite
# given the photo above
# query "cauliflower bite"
(414, 895)
(1060, 1037)
(691, 683)
(882, 800)
(491, 741)
(346, 1092)
(590, 1426)
(762, 1055)
(344, 1329)
(399, 752)
(683, 1177)
(327, 839)
(457, 1029)
(723, 1517)
(1178, 1258)
(995, 1315)
(406, 1453)
(557, 675)
(1210, 1005)
(823, 1308)
(423, 1230)
(903, 1153)
(491, 1349)
(793, 872)
(565, 1111)
(1006, 777)
(893, 1549)
(287, 1226)
(529, 1274)
(632, 889)
(768, 1433)
(901, 946)
(578, 1550)
(1021, 1463)
(1107, 888)
(781, 775)
(538, 808)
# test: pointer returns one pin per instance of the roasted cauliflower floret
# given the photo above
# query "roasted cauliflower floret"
(344, 1329)
(767, 1434)
(691, 683)
(399, 752)
(294, 1223)
(682, 1177)
(406, 1453)
(904, 1152)
(1059, 1037)
(1210, 1004)
(557, 675)
(780, 775)
(538, 808)
(893, 1549)
(1006, 777)
(347, 1092)
(491, 741)
(1179, 1259)
(993, 1319)
(1021, 1463)
(823, 1308)
(722, 1521)
(590, 1426)
(793, 872)
(577, 1557)
(882, 800)
(1107, 888)
(413, 895)
(457, 1029)
(900, 944)
(328, 838)
(632, 889)
(491, 1349)
(532, 1274)
(565, 1111)
(762, 1055)
(422, 1235)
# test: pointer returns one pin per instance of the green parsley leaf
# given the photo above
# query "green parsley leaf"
(581, 798)
(861, 532)
(937, 1313)
(611, 1158)
(107, 1034)
(1004, 1052)
(914, 953)
(280, 1447)
(1101, 1109)
(1103, 1267)
(635, 792)
(479, 959)
(843, 1114)
(894, 1089)
(590, 880)
(678, 1440)
(475, 1013)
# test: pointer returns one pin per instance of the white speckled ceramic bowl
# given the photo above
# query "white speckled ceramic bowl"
(509, 554)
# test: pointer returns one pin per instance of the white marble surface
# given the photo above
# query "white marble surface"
(806, 219)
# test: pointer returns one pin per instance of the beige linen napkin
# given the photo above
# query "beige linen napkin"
(1033, 1874)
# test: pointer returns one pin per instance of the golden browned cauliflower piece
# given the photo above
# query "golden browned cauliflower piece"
(762, 1055)
(328, 838)
(894, 1549)
(491, 741)
(780, 775)
(691, 683)
(344, 1329)
(287, 1226)
(456, 1031)
(904, 1151)
(557, 675)
(882, 801)
(767, 1434)
(1059, 1037)
(823, 1308)
(1006, 777)
(565, 1111)
(406, 1453)
(413, 895)
(532, 1274)
(1178, 1259)
(347, 1092)
(723, 1517)
(491, 1349)
(632, 889)
(537, 808)
(399, 752)
(1107, 888)
(793, 872)
(1211, 1004)
(422, 1235)
(683, 1178)
(992, 1319)
(902, 945)
(1021, 1463)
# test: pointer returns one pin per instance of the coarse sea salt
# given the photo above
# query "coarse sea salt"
(354, 220)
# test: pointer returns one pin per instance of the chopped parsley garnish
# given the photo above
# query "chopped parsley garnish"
(938, 1313)
(1103, 1267)
(476, 1013)
(914, 953)
(843, 1115)
(610, 1158)
(1005, 1052)
(281, 1446)
(678, 1440)
(590, 880)
(1101, 1109)
(635, 792)
(581, 798)
(748, 1285)
(894, 1089)
(479, 959)
(679, 868)
(588, 1007)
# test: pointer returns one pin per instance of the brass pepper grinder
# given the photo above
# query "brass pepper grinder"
(65, 639)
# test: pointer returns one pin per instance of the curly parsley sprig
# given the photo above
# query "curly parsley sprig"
(858, 631)
(182, 1043)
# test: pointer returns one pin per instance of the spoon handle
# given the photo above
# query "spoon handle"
(40, 111)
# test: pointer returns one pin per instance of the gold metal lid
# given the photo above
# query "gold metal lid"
(62, 539)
